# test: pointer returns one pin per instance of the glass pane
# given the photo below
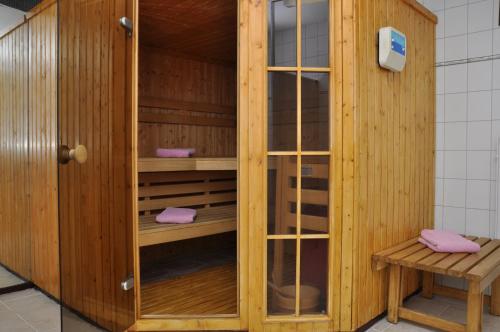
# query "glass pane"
(281, 272)
(282, 33)
(282, 111)
(315, 32)
(315, 112)
(314, 195)
(282, 195)
(313, 276)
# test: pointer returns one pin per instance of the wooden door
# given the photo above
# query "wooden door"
(293, 223)
(95, 188)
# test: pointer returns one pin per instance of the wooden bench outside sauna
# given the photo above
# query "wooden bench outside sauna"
(480, 270)
(211, 192)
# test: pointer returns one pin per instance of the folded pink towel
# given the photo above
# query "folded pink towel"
(173, 215)
(174, 153)
(447, 241)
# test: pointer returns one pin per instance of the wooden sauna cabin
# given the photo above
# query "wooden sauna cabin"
(305, 157)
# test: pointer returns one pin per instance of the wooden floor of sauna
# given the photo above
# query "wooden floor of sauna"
(211, 291)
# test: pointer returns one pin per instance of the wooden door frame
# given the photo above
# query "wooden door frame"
(257, 100)
(238, 321)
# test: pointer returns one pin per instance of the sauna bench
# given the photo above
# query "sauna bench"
(209, 221)
(481, 270)
(185, 164)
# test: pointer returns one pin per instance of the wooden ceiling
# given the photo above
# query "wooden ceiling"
(204, 28)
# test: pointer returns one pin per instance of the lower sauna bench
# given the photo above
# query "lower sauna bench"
(205, 184)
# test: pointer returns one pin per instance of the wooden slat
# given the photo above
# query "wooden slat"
(165, 103)
(185, 164)
(486, 266)
(208, 221)
(186, 201)
(443, 265)
(148, 117)
(178, 189)
(429, 320)
(461, 268)
(180, 176)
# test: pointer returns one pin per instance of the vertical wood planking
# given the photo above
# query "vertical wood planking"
(43, 150)
(96, 197)
(394, 156)
(15, 226)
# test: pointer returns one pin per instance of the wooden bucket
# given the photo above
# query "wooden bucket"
(309, 298)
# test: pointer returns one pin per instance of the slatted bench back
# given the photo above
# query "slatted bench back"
(314, 193)
(195, 189)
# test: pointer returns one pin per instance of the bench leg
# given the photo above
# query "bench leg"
(474, 307)
(394, 293)
(495, 297)
(427, 284)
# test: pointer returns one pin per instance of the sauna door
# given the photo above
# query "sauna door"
(95, 175)
(291, 125)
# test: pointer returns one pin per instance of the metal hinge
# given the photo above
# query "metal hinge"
(128, 283)
(127, 24)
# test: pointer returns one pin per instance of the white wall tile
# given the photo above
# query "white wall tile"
(440, 25)
(439, 164)
(455, 136)
(439, 186)
(478, 194)
(454, 3)
(496, 11)
(479, 106)
(440, 50)
(480, 16)
(440, 108)
(477, 222)
(455, 107)
(479, 76)
(455, 78)
(439, 136)
(455, 164)
(440, 80)
(495, 133)
(455, 48)
(434, 5)
(478, 165)
(454, 219)
(454, 19)
(496, 41)
(493, 195)
(493, 164)
(495, 104)
(478, 135)
(480, 44)
(438, 217)
(454, 192)
(496, 74)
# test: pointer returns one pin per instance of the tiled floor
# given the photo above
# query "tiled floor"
(439, 306)
(30, 310)
(7, 279)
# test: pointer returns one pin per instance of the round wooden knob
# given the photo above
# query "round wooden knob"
(79, 154)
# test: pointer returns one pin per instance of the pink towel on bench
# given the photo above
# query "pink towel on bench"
(173, 215)
(447, 241)
(174, 153)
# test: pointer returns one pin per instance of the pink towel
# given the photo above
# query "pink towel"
(447, 241)
(174, 153)
(173, 215)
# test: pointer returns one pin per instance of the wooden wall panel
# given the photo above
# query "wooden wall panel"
(15, 247)
(43, 150)
(182, 87)
(393, 146)
(96, 197)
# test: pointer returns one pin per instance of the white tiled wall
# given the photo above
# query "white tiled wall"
(468, 115)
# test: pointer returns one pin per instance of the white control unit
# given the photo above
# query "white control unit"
(392, 49)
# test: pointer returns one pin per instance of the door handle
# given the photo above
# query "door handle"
(78, 154)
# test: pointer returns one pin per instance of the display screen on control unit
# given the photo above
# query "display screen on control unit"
(398, 43)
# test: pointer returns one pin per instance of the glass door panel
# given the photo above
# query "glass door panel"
(298, 156)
